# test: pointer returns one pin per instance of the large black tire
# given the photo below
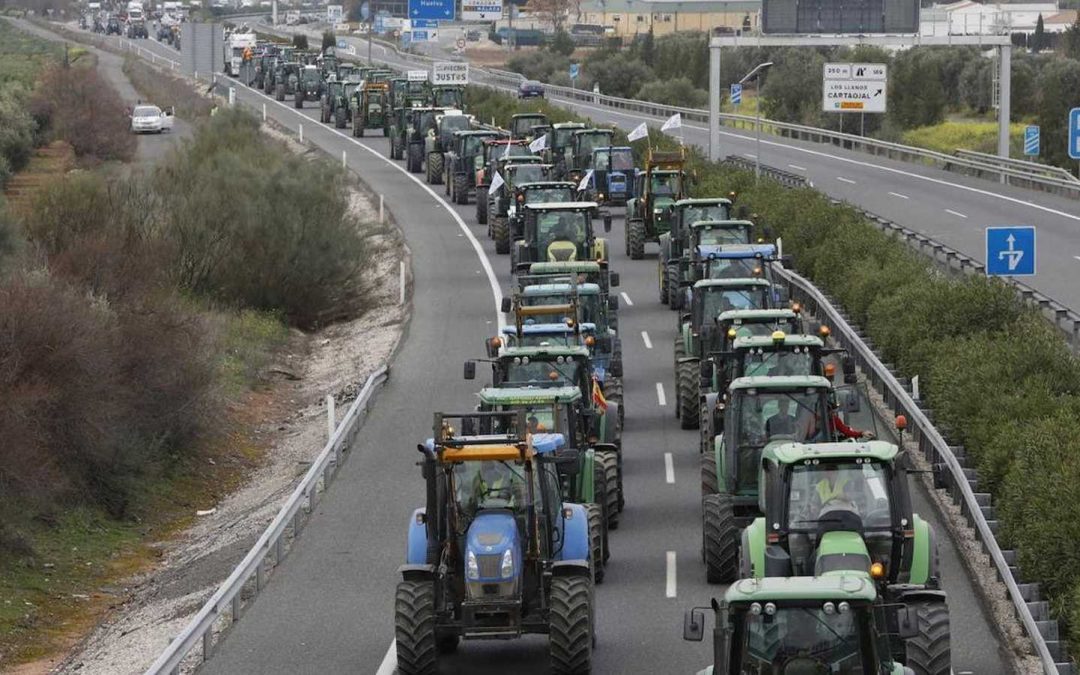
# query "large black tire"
(596, 540)
(339, 118)
(500, 231)
(279, 92)
(461, 189)
(357, 126)
(689, 392)
(435, 167)
(570, 625)
(395, 149)
(720, 538)
(609, 461)
(662, 281)
(298, 99)
(930, 652)
(481, 205)
(415, 161)
(600, 488)
(675, 295)
(414, 628)
(635, 239)
(710, 482)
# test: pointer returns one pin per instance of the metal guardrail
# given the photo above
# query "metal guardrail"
(785, 178)
(950, 472)
(226, 605)
(1033, 167)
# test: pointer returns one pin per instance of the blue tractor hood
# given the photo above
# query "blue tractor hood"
(490, 536)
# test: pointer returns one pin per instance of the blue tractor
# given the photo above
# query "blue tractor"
(495, 553)
(613, 176)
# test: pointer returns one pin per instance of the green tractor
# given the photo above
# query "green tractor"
(419, 124)
(823, 624)
(514, 171)
(448, 96)
(560, 232)
(493, 153)
(582, 144)
(559, 410)
(310, 87)
(684, 213)
(438, 142)
(334, 106)
(460, 165)
(521, 125)
(656, 190)
(560, 147)
(286, 80)
(698, 335)
(370, 101)
(845, 507)
(535, 192)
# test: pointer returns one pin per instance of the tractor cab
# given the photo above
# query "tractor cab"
(448, 123)
(498, 148)
(657, 189)
(535, 192)
(826, 624)
(521, 124)
(448, 96)
(613, 175)
(583, 143)
(494, 552)
(372, 107)
(559, 233)
(464, 148)
(311, 84)
(586, 271)
(560, 146)
(347, 71)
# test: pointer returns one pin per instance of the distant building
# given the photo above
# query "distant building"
(627, 18)
(973, 18)
(1060, 21)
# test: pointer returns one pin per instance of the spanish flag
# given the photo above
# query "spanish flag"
(598, 394)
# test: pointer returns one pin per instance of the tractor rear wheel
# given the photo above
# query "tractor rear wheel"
(500, 231)
(635, 240)
(609, 461)
(298, 99)
(719, 541)
(674, 293)
(596, 540)
(414, 628)
(663, 282)
(481, 205)
(415, 161)
(930, 652)
(435, 167)
(279, 92)
(710, 482)
(339, 118)
(570, 625)
(689, 386)
(395, 149)
(461, 189)
(600, 487)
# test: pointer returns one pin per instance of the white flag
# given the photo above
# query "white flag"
(496, 182)
(584, 184)
(673, 122)
(506, 150)
(539, 144)
(640, 131)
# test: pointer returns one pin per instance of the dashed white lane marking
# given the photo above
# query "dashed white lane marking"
(897, 194)
(670, 586)
(955, 213)
(646, 340)
(626, 299)
(797, 167)
(669, 469)
(660, 393)
(750, 155)
(845, 180)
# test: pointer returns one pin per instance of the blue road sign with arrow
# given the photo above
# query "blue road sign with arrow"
(736, 94)
(1010, 251)
(431, 9)
(575, 69)
(1031, 140)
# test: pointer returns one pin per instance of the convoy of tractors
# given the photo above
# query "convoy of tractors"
(805, 513)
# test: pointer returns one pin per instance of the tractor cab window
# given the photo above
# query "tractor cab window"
(800, 639)
(415, 88)
(721, 236)
(718, 299)
(758, 328)
(764, 416)
(447, 98)
(732, 268)
(697, 214)
(622, 160)
(452, 123)
(589, 142)
(350, 88)
(664, 184)
(773, 363)
(426, 121)
(561, 235)
(480, 486)
(547, 195)
(828, 490)
(472, 145)
(527, 173)
(311, 76)
(524, 371)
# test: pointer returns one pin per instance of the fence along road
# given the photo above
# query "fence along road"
(329, 608)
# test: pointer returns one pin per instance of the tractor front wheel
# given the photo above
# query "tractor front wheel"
(435, 167)
(719, 541)
(481, 205)
(500, 232)
(609, 462)
(570, 628)
(689, 388)
(635, 240)
(710, 483)
(461, 189)
(596, 540)
(298, 99)
(414, 628)
(415, 160)
(930, 652)
(674, 292)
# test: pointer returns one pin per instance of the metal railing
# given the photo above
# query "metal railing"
(1033, 167)
(227, 604)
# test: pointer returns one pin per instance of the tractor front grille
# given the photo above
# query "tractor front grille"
(489, 566)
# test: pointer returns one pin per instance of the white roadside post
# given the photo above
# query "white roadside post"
(232, 97)
(382, 212)
(344, 162)
(401, 282)
(331, 421)
(301, 126)
(264, 113)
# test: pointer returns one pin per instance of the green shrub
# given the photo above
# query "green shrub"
(17, 129)
(677, 92)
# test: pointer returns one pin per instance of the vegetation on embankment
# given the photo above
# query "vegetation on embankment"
(1001, 380)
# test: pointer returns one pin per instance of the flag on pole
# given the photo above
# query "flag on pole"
(496, 182)
(673, 122)
(539, 144)
(598, 394)
(506, 150)
(640, 131)
(585, 181)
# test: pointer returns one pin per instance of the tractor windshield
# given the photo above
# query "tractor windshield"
(562, 137)
(752, 328)
(732, 268)
(488, 485)
(800, 639)
(589, 142)
(589, 306)
(777, 362)
(613, 160)
(311, 76)
(548, 195)
(696, 214)
(448, 98)
(472, 145)
(426, 121)
(526, 173)
(562, 235)
(719, 299)
(664, 183)
(821, 489)
(727, 234)
(768, 415)
(526, 371)
(452, 123)
(350, 88)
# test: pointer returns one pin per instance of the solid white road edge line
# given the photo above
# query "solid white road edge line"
(669, 469)
(670, 586)
(389, 662)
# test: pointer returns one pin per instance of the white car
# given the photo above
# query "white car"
(150, 119)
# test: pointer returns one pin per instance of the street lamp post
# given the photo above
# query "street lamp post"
(756, 76)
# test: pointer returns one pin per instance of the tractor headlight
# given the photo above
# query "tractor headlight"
(472, 570)
(657, 211)
(507, 568)
(601, 196)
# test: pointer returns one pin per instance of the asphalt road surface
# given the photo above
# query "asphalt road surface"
(329, 608)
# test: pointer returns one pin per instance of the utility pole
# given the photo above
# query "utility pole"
(756, 75)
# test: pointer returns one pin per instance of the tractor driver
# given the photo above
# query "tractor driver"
(493, 485)
(663, 184)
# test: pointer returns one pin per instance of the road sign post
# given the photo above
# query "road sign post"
(1010, 251)
(736, 94)
(1031, 140)
(854, 87)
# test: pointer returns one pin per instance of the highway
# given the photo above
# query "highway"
(329, 608)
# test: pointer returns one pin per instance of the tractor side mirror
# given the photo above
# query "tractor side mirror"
(742, 212)
(616, 368)
(613, 280)
(706, 368)
(607, 222)
(848, 368)
(907, 622)
(693, 628)
(470, 370)
(506, 305)
(613, 303)
(787, 261)
(768, 233)
(568, 462)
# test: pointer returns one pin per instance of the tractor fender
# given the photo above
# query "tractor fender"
(908, 592)
(571, 568)
(417, 572)
(611, 424)
(923, 558)
(576, 546)
(417, 549)
(721, 461)
(753, 538)
(600, 249)
(665, 248)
